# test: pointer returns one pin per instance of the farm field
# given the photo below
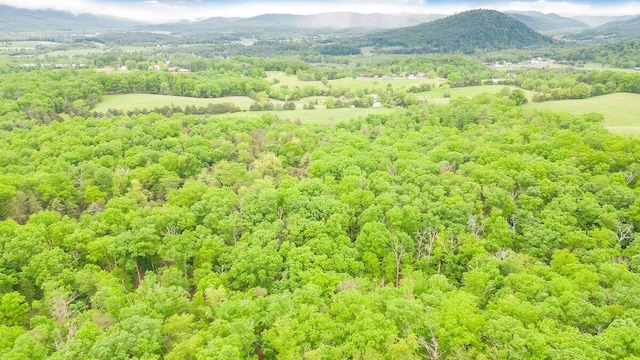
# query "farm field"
(369, 83)
(437, 96)
(128, 102)
(621, 111)
(598, 66)
(71, 52)
(358, 83)
(290, 80)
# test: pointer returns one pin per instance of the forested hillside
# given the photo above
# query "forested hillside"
(472, 230)
(467, 32)
(613, 31)
(16, 20)
(546, 22)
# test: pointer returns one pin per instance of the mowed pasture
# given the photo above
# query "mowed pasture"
(621, 110)
(320, 114)
(362, 83)
(357, 83)
(290, 80)
(443, 95)
(127, 102)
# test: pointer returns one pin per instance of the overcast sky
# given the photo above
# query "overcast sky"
(174, 10)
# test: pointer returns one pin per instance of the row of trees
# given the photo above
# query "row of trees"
(574, 84)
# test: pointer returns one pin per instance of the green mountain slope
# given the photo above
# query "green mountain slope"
(14, 20)
(467, 32)
(613, 31)
(330, 21)
(594, 21)
(546, 22)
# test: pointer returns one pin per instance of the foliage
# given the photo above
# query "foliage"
(470, 230)
(467, 32)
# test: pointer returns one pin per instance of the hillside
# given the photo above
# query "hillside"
(546, 22)
(14, 20)
(595, 21)
(613, 31)
(467, 32)
(330, 21)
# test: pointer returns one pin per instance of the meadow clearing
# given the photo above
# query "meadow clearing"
(620, 110)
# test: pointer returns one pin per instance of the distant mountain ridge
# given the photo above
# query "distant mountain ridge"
(613, 31)
(466, 32)
(595, 21)
(16, 20)
(546, 22)
(326, 21)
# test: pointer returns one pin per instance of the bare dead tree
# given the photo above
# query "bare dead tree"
(431, 346)
(426, 242)
(631, 174)
(450, 243)
(399, 249)
(623, 231)
(476, 228)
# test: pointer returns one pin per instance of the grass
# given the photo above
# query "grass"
(290, 80)
(621, 110)
(437, 96)
(356, 84)
(72, 52)
(128, 102)
(599, 66)
(322, 115)
(371, 83)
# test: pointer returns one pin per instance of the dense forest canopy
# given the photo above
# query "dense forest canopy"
(444, 227)
(465, 230)
(467, 32)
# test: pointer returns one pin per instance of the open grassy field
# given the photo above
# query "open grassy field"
(437, 96)
(128, 102)
(290, 80)
(598, 66)
(371, 83)
(358, 83)
(72, 52)
(621, 110)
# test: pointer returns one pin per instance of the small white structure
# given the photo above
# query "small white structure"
(123, 68)
(376, 104)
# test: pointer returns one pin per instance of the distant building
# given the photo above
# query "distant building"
(123, 68)
(172, 69)
(376, 104)
(183, 71)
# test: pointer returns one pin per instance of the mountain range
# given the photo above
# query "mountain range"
(613, 31)
(546, 22)
(14, 20)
